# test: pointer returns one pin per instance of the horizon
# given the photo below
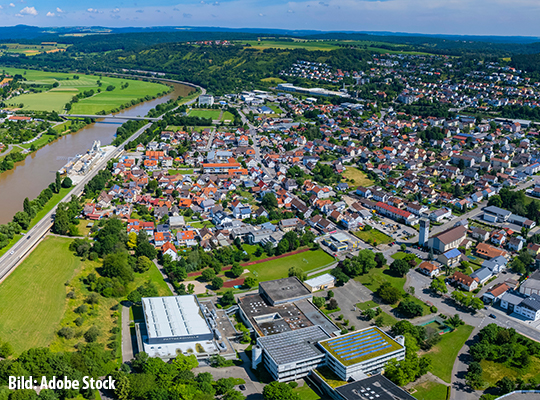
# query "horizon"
(459, 17)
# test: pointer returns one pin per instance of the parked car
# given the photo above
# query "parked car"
(493, 316)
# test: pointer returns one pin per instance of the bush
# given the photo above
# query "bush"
(81, 309)
(91, 334)
(79, 321)
(66, 332)
(217, 283)
(433, 309)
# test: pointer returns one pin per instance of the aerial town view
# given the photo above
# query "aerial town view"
(242, 200)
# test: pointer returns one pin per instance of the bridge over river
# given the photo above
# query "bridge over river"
(122, 117)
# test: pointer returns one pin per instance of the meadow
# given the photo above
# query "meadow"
(55, 99)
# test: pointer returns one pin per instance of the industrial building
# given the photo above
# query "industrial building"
(325, 281)
(375, 387)
(284, 290)
(357, 354)
(206, 100)
(177, 324)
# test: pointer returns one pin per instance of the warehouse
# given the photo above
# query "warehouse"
(325, 281)
(174, 323)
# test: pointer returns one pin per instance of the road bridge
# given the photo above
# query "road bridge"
(110, 116)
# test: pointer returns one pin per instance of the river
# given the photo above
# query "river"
(37, 171)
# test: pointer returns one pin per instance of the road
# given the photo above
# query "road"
(10, 260)
(253, 135)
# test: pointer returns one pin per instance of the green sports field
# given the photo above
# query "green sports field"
(56, 98)
(214, 114)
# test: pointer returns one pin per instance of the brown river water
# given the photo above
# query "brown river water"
(31, 176)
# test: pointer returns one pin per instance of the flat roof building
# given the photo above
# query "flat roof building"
(322, 282)
(174, 323)
(283, 290)
(291, 355)
(363, 352)
(375, 387)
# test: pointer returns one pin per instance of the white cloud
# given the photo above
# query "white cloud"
(93, 11)
(50, 14)
(116, 11)
(59, 10)
(1, 8)
(29, 11)
(11, 5)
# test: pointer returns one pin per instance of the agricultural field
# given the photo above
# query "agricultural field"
(30, 49)
(358, 178)
(54, 99)
(276, 269)
(297, 44)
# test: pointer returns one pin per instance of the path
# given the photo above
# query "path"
(165, 277)
(332, 266)
(460, 390)
(428, 377)
(127, 345)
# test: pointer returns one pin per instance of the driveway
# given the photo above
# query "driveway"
(129, 342)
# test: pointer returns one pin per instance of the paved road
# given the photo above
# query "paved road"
(10, 260)
(253, 135)
(127, 344)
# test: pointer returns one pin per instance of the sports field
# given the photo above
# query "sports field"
(55, 99)
(33, 297)
(276, 269)
(201, 113)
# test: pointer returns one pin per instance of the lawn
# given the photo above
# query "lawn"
(33, 297)
(367, 305)
(401, 255)
(276, 269)
(306, 393)
(180, 171)
(56, 98)
(273, 80)
(201, 113)
(359, 178)
(227, 116)
(387, 319)
(377, 276)
(430, 391)
(445, 352)
(373, 236)
(250, 249)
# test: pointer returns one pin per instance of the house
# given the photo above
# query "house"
(364, 192)
(465, 281)
(531, 286)
(510, 300)
(496, 214)
(159, 239)
(186, 238)
(169, 249)
(450, 258)
(439, 215)
(496, 264)
(482, 275)
(529, 307)
(240, 210)
(479, 234)
(287, 225)
(515, 244)
(487, 251)
(429, 269)
(495, 293)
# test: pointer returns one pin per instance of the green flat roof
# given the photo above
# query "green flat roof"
(359, 346)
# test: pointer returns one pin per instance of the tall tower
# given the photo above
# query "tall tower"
(424, 232)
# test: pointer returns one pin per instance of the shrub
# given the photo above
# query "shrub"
(91, 334)
(79, 321)
(66, 332)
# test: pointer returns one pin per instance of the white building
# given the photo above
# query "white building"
(322, 282)
(206, 100)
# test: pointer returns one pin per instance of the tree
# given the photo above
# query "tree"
(476, 303)
(91, 334)
(233, 395)
(298, 272)
(208, 274)
(143, 264)
(410, 309)
(23, 219)
(57, 183)
(282, 247)
(27, 207)
(454, 322)
(388, 293)
(400, 267)
(228, 298)
(438, 286)
(403, 247)
(185, 363)
(380, 260)
(250, 282)
(269, 201)
(279, 391)
(217, 283)
(237, 270)
(67, 183)
(116, 266)
(474, 375)
(319, 301)
(333, 304)
(506, 385)
(369, 314)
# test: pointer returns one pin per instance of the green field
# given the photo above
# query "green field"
(299, 44)
(33, 297)
(444, 353)
(430, 391)
(306, 393)
(227, 116)
(493, 371)
(357, 177)
(276, 269)
(367, 305)
(377, 276)
(55, 99)
(202, 113)
(30, 49)
(373, 236)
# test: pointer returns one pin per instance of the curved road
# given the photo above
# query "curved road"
(10, 260)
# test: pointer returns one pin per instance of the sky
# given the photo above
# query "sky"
(465, 17)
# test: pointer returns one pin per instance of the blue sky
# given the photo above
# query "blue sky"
(476, 17)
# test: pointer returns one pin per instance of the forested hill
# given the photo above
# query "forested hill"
(221, 69)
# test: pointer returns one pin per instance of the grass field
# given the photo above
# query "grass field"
(306, 393)
(358, 178)
(387, 319)
(492, 372)
(30, 49)
(430, 391)
(377, 276)
(201, 113)
(445, 352)
(273, 80)
(367, 305)
(227, 116)
(276, 269)
(33, 297)
(55, 99)
(373, 236)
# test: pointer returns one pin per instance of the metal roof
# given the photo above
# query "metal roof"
(294, 346)
(319, 280)
(173, 316)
